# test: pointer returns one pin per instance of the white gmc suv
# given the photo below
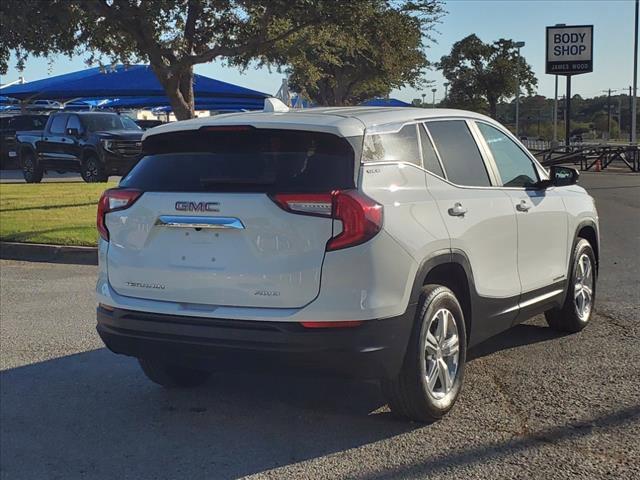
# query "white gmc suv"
(377, 242)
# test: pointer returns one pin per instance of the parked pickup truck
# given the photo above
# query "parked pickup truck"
(11, 124)
(96, 144)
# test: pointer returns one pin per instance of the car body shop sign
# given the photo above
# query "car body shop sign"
(569, 49)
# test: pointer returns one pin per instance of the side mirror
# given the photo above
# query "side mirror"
(73, 132)
(563, 176)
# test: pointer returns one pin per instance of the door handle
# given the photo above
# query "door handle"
(523, 206)
(64, 139)
(457, 210)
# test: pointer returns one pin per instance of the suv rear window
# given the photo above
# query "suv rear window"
(243, 159)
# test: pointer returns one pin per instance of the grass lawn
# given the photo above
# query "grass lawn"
(57, 213)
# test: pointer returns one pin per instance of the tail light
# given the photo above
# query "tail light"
(317, 204)
(361, 217)
(112, 200)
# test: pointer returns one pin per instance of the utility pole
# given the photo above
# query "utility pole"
(518, 45)
(555, 115)
(423, 97)
(446, 90)
(608, 113)
(434, 90)
(634, 102)
(630, 115)
(567, 114)
(619, 116)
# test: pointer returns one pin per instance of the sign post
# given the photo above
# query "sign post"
(569, 52)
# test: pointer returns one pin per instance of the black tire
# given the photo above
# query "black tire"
(571, 317)
(172, 376)
(92, 170)
(31, 169)
(409, 394)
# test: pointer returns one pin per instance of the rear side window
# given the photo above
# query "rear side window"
(37, 123)
(401, 146)
(459, 153)
(431, 162)
(58, 123)
(74, 122)
(243, 159)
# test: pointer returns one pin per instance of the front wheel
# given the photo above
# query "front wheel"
(431, 376)
(576, 312)
(93, 170)
(170, 375)
(31, 169)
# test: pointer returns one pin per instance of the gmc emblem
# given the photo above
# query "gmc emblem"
(198, 207)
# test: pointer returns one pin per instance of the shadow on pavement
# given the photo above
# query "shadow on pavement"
(94, 415)
(523, 334)
(501, 450)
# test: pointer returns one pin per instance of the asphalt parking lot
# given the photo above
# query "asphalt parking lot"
(536, 404)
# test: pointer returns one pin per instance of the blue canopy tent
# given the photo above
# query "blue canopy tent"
(118, 82)
(385, 102)
(201, 103)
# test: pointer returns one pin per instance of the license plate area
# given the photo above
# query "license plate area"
(199, 248)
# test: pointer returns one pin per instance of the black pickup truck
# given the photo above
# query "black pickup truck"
(11, 124)
(96, 144)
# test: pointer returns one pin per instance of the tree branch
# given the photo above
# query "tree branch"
(252, 45)
(194, 9)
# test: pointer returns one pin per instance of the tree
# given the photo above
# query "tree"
(382, 47)
(172, 35)
(481, 75)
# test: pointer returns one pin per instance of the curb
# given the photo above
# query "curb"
(41, 252)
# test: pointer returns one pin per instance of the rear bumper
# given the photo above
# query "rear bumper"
(374, 349)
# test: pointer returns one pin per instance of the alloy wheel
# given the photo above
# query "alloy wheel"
(442, 352)
(91, 170)
(28, 165)
(583, 287)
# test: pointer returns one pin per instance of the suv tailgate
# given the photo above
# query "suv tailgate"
(206, 230)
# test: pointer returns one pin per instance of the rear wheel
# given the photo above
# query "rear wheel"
(431, 377)
(93, 170)
(171, 375)
(578, 306)
(31, 170)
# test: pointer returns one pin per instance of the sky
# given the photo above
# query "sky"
(520, 20)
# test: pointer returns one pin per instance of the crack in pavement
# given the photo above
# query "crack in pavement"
(523, 419)
(614, 321)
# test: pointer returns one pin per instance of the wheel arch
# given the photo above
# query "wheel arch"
(87, 152)
(25, 148)
(452, 270)
(588, 230)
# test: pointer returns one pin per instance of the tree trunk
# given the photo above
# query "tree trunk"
(493, 107)
(324, 94)
(178, 85)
